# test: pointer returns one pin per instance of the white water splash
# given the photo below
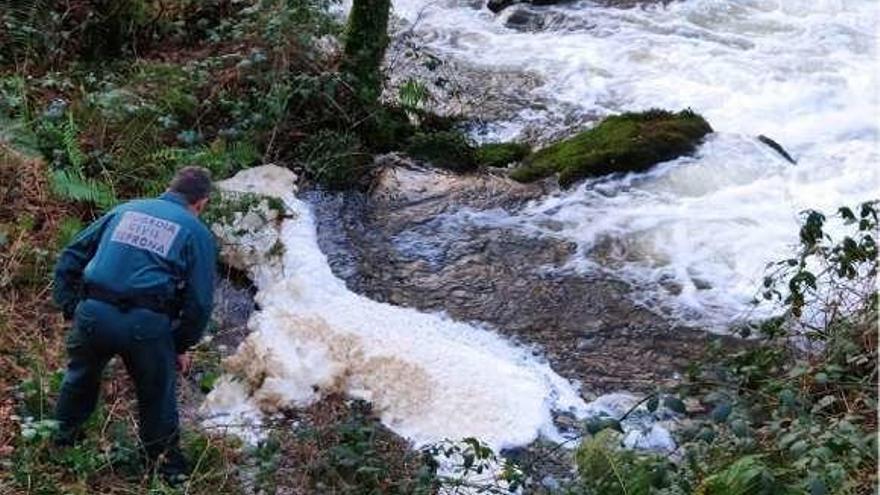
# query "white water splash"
(693, 234)
(429, 377)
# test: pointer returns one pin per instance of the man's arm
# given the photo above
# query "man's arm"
(71, 263)
(198, 296)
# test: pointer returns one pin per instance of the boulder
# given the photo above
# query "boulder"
(499, 5)
(525, 19)
(630, 142)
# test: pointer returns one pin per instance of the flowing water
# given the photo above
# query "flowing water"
(693, 234)
(430, 377)
(688, 240)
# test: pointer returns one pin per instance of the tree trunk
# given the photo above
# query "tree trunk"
(365, 43)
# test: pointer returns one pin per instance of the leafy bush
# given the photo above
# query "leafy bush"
(334, 159)
(44, 31)
(783, 417)
(606, 469)
(352, 456)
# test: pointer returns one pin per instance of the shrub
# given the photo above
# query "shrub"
(334, 159)
(44, 32)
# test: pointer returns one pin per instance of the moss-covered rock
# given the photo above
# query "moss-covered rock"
(501, 154)
(451, 150)
(630, 142)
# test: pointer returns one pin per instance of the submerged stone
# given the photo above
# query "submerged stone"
(630, 142)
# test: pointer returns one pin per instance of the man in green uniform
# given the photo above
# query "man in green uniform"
(138, 283)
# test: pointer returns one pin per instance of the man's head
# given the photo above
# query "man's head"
(194, 184)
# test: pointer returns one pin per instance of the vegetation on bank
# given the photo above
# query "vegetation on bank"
(794, 413)
(630, 142)
(101, 102)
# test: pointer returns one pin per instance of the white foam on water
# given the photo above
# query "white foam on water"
(804, 73)
(429, 377)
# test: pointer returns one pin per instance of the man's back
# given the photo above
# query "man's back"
(144, 248)
(147, 247)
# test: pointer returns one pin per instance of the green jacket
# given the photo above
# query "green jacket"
(150, 247)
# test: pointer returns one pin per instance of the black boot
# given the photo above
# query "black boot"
(171, 465)
(67, 437)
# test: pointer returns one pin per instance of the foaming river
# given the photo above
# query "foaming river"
(694, 234)
(431, 378)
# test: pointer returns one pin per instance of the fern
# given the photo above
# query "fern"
(70, 139)
(220, 158)
(70, 182)
(747, 476)
(72, 185)
(25, 21)
(606, 469)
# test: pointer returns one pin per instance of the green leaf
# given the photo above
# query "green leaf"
(206, 384)
(739, 428)
(798, 448)
(71, 185)
(787, 398)
(721, 412)
(674, 404)
(817, 486)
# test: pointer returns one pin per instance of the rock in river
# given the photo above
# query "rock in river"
(630, 142)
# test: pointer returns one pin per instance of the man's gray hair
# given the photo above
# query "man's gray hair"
(193, 183)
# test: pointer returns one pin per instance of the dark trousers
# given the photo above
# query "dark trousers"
(143, 339)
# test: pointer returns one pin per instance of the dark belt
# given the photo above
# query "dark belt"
(126, 302)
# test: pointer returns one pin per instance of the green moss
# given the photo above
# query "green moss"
(629, 142)
(445, 149)
(501, 154)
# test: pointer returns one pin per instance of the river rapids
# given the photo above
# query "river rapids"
(691, 237)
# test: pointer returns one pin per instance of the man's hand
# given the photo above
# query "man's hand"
(184, 363)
